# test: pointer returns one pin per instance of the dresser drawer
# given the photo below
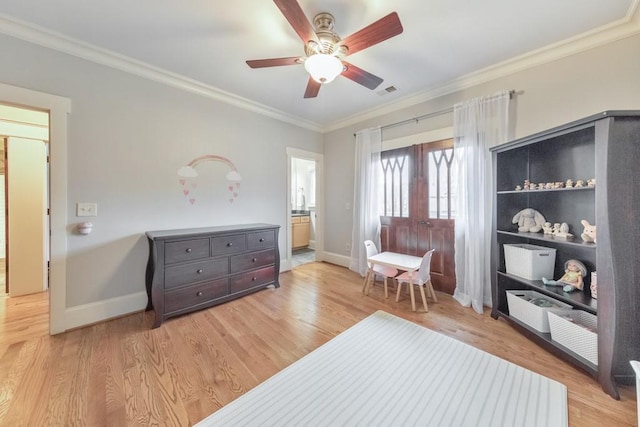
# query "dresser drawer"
(261, 240)
(228, 245)
(252, 260)
(189, 296)
(186, 250)
(251, 279)
(177, 275)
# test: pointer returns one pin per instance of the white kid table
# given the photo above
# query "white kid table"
(404, 262)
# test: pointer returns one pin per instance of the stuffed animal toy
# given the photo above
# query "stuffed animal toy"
(529, 220)
(589, 232)
(563, 231)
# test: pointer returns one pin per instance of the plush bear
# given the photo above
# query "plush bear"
(529, 220)
(589, 232)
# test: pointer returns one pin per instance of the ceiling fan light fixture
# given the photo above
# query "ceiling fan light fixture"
(323, 68)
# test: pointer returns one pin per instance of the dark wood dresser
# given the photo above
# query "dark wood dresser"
(191, 269)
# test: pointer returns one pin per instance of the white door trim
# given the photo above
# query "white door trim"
(58, 108)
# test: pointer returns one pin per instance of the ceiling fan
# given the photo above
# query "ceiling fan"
(324, 49)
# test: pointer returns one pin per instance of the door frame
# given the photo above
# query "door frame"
(58, 108)
(294, 153)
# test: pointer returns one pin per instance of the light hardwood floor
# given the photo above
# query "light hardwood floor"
(121, 372)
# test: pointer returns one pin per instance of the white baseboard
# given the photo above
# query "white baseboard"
(87, 314)
(336, 259)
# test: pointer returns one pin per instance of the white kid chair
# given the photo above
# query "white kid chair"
(421, 279)
(376, 270)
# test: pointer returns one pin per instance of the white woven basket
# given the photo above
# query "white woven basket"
(577, 331)
(531, 314)
(529, 261)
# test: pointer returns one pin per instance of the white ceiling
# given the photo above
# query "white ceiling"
(207, 43)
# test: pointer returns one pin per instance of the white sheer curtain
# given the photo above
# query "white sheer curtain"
(366, 190)
(478, 124)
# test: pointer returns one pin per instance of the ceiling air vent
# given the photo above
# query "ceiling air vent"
(387, 90)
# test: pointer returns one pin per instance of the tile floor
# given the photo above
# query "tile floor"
(302, 256)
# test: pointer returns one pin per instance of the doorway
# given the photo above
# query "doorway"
(24, 193)
(58, 109)
(304, 207)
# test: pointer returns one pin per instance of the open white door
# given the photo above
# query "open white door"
(26, 216)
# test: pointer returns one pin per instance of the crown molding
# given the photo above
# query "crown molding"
(612, 32)
(59, 42)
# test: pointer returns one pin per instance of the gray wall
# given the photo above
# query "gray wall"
(604, 78)
(127, 138)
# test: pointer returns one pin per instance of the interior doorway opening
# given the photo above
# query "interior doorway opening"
(304, 207)
(303, 211)
(59, 109)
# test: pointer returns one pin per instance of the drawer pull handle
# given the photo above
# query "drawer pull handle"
(230, 244)
(199, 271)
(254, 260)
(188, 250)
(261, 240)
(254, 279)
(199, 294)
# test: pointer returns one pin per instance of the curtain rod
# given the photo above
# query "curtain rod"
(429, 115)
(417, 119)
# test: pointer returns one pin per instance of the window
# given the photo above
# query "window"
(436, 165)
(442, 184)
(395, 179)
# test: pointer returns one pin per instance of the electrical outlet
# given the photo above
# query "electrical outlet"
(86, 209)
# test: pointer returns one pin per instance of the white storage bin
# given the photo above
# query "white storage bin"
(577, 331)
(531, 308)
(529, 261)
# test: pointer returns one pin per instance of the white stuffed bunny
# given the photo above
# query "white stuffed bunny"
(529, 220)
(589, 233)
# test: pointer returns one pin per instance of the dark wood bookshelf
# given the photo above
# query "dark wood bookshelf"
(606, 147)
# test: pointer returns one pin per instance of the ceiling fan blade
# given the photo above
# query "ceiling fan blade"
(313, 87)
(379, 31)
(274, 62)
(296, 17)
(361, 76)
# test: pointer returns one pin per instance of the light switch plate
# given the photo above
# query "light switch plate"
(86, 209)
